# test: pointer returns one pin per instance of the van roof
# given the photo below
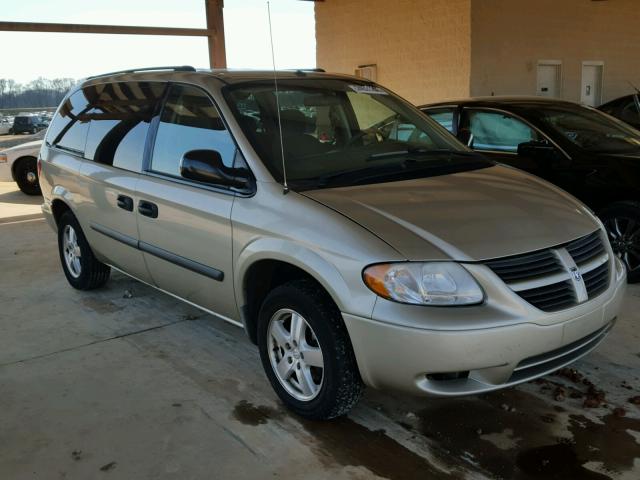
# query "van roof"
(228, 76)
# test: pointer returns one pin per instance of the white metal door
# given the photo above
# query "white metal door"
(549, 78)
(591, 84)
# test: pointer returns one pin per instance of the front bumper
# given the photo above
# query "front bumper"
(450, 362)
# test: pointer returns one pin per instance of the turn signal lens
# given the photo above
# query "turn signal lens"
(433, 283)
(3, 158)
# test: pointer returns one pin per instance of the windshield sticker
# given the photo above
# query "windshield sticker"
(369, 89)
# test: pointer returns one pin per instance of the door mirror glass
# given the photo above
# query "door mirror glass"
(536, 149)
(206, 166)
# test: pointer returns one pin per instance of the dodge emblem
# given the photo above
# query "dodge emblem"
(576, 274)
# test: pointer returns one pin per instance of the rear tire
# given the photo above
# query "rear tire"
(26, 173)
(81, 268)
(622, 221)
(313, 392)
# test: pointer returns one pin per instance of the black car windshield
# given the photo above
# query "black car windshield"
(591, 130)
(343, 132)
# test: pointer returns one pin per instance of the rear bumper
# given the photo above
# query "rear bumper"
(463, 362)
(48, 214)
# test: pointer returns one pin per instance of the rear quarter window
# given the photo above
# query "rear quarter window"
(69, 127)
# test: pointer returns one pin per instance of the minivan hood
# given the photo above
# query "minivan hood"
(471, 216)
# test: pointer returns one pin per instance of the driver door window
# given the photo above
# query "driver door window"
(498, 131)
(189, 121)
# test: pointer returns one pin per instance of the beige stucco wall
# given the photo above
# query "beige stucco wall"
(421, 47)
(509, 37)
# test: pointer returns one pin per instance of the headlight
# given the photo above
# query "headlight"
(434, 283)
(3, 158)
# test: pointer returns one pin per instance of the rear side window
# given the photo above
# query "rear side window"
(119, 119)
(497, 131)
(189, 121)
(68, 130)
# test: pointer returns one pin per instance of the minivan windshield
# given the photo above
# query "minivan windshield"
(343, 132)
(591, 129)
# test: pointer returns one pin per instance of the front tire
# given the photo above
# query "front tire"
(622, 221)
(306, 352)
(26, 173)
(81, 268)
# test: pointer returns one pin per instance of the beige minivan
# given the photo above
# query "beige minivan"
(353, 238)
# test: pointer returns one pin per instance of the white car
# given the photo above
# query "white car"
(5, 126)
(20, 164)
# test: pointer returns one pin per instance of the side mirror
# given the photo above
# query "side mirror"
(206, 166)
(538, 150)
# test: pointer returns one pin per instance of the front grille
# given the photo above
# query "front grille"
(597, 280)
(556, 296)
(552, 279)
(526, 266)
(586, 248)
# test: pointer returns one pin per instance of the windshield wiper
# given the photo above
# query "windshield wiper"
(408, 166)
(418, 151)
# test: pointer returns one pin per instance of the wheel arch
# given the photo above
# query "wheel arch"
(261, 268)
(58, 208)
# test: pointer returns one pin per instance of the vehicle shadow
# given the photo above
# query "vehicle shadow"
(16, 197)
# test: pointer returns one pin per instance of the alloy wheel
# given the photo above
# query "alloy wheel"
(295, 355)
(624, 234)
(72, 253)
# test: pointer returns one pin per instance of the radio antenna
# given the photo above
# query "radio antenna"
(275, 82)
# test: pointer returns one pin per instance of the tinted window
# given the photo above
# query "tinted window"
(119, 119)
(629, 111)
(189, 121)
(443, 116)
(498, 131)
(590, 129)
(342, 132)
(69, 127)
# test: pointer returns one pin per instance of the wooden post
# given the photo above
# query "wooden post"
(215, 38)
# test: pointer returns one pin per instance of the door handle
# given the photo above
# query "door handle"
(147, 209)
(125, 203)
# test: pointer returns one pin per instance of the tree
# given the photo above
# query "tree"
(38, 93)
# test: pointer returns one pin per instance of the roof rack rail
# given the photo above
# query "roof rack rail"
(178, 68)
(302, 70)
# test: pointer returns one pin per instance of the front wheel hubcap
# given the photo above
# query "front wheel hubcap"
(71, 251)
(32, 177)
(295, 355)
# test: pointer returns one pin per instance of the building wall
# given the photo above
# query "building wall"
(509, 37)
(421, 47)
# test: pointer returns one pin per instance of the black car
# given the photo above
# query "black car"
(590, 154)
(27, 124)
(626, 109)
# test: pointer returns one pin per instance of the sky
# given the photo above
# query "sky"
(25, 56)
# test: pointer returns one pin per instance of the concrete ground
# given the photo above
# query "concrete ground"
(126, 382)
